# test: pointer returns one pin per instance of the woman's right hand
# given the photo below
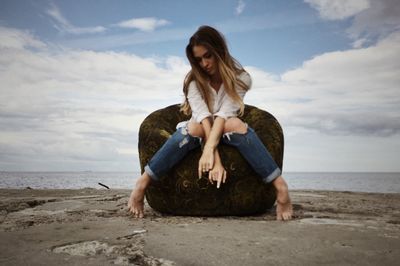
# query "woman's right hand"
(206, 162)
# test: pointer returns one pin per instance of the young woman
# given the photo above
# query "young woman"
(214, 91)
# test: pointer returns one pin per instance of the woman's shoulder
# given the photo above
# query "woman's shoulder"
(192, 87)
(192, 84)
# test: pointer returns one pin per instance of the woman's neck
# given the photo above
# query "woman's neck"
(216, 78)
(216, 81)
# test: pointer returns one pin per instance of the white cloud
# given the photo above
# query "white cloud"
(16, 39)
(359, 43)
(376, 22)
(371, 20)
(144, 24)
(72, 106)
(353, 92)
(63, 25)
(338, 9)
(240, 7)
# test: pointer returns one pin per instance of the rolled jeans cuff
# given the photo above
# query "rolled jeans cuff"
(151, 173)
(271, 177)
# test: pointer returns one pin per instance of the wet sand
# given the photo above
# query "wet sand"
(93, 227)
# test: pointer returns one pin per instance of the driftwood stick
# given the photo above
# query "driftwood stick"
(103, 185)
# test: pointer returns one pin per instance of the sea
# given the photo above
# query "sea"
(335, 181)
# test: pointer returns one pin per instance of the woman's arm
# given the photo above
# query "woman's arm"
(212, 135)
(213, 132)
(210, 159)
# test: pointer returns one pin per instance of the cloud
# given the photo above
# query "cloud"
(147, 24)
(72, 106)
(144, 24)
(338, 9)
(375, 23)
(359, 43)
(63, 25)
(17, 39)
(371, 20)
(240, 7)
(354, 92)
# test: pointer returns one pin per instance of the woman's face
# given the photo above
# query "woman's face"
(205, 59)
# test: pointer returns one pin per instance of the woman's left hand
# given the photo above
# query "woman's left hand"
(218, 174)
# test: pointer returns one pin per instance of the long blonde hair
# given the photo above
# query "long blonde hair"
(229, 68)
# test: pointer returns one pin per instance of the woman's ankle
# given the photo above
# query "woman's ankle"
(143, 182)
(279, 182)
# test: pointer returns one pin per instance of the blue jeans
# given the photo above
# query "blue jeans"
(181, 142)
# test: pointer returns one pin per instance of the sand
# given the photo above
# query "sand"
(93, 227)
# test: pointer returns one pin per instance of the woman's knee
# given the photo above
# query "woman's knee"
(195, 129)
(234, 124)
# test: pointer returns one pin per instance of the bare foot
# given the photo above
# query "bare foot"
(136, 200)
(284, 209)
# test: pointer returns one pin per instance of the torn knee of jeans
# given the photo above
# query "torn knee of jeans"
(197, 137)
(184, 130)
(229, 134)
(183, 142)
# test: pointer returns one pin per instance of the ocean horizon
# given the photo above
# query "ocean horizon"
(379, 182)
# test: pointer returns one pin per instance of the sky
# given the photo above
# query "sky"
(77, 78)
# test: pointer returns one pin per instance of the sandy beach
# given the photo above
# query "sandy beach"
(93, 227)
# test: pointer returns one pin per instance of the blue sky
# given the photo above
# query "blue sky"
(79, 77)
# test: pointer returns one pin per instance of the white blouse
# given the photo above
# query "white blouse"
(222, 104)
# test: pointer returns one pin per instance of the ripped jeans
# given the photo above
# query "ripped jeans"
(181, 142)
